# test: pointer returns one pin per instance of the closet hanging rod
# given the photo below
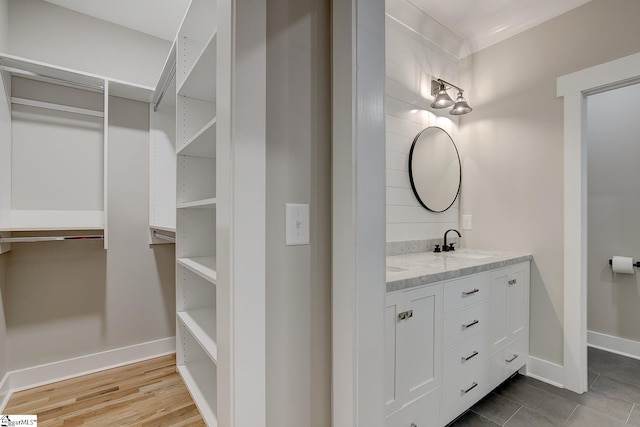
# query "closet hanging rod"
(165, 87)
(51, 79)
(57, 107)
(49, 238)
(164, 237)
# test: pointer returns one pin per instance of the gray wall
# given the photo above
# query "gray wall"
(512, 144)
(81, 299)
(4, 25)
(614, 203)
(49, 33)
(298, 171)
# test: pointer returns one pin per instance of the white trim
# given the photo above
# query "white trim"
(57, 371)
(545, 371)
(574, 87)
(601, 76)
(358, 212)
(575, 245)
(5, 392)
(617, 345)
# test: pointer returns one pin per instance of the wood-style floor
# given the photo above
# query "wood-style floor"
(148, 393)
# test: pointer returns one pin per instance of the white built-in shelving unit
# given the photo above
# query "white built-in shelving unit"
(54, 146)
(196, 278)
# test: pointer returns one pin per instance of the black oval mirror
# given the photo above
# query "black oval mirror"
(434, 169)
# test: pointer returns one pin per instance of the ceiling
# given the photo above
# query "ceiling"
(159, 18)
(481, 23)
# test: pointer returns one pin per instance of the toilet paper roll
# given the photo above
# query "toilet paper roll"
(622, 264)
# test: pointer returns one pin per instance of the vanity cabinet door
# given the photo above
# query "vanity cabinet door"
(518, 301)
(422, 346)
(509, 320)
(413, 345)
(499, 334)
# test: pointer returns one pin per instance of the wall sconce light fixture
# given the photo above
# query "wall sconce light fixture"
(443, 100)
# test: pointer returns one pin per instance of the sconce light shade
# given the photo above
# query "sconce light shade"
(461, 106)
(442, 100)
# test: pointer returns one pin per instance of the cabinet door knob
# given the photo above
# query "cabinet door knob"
(402, 315)
(474, 385)
(471, 356)
(467, 293)
(414, 425)
(512, 282)
(515, 356)
(468, 325)
(409, 314)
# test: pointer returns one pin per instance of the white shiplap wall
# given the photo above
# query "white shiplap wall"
(411, 61)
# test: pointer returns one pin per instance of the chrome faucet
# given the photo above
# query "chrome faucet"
(446, 248)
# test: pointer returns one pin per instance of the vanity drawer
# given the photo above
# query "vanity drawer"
(471, 353)
(464, 323)
(466, 291)
(424, 412)
(464, 388)
(508, 360)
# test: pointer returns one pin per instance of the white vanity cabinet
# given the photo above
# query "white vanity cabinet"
(413, 343)
(450, 343)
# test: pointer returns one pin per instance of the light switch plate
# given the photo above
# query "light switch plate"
(297, 224)
(466, 222)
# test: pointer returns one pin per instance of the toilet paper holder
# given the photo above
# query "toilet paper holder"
(635, 264)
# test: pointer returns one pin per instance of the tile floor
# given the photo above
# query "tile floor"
(613, 399)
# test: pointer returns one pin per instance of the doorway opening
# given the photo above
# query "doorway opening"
(575, 88)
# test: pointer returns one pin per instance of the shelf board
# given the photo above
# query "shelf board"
(201, 323)
(198, 377)
(199, 204)
(203, 143)
(41, 220)
(204, 267)
(200, 79)
(130, 90)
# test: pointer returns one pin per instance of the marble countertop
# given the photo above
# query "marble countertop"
(416, 269)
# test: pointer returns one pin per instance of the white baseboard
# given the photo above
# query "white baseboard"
(545, 371)
(613, 344)
(5, 392)
(57, 371)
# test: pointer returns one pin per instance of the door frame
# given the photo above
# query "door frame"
(358, 212)
(575, 88)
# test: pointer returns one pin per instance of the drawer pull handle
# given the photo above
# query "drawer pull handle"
(468, 325)
(467, 293)
(512, 282)
(515, 356)
(471, 356)
(474, 385)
